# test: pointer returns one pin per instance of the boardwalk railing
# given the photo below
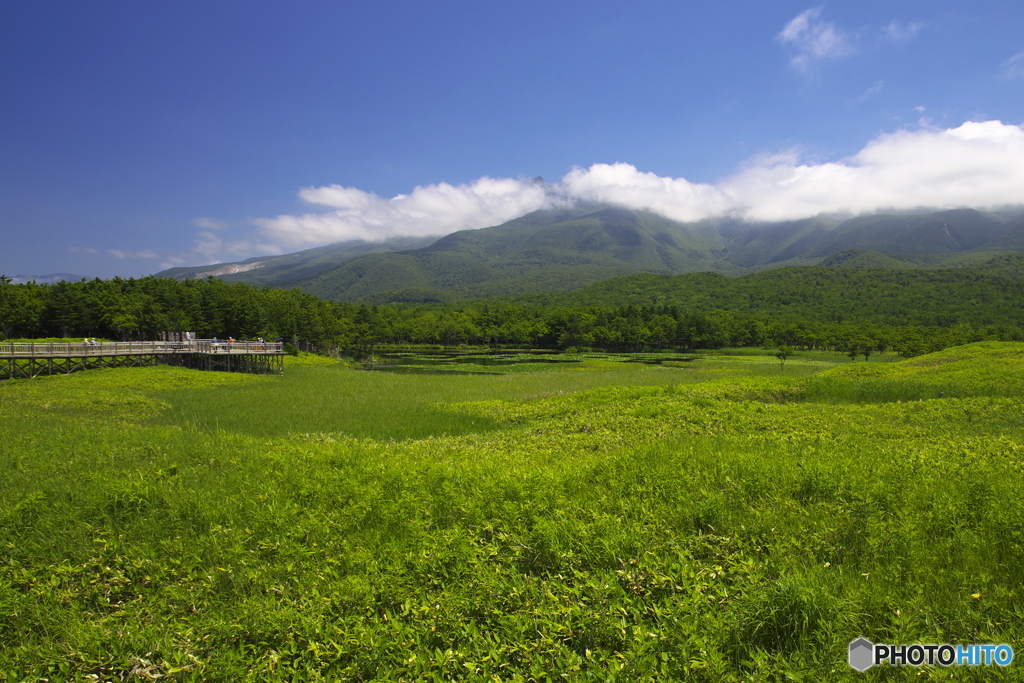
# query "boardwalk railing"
(32, 359)
(81, 349)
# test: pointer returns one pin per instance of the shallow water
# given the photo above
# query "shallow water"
(444, 362)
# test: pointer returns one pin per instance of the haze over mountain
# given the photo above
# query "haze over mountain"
(44, 279)
(559, 250)
(272, 270)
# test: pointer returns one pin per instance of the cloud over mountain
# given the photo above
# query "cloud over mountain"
(429, 210)
(978, 165)
(675, 198)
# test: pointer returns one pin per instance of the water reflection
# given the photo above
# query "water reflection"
(445, 362)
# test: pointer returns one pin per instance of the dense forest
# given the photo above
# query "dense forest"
(987, 295)
(132, 309)
(125, 309)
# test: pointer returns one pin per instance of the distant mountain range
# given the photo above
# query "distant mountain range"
(302, 265)
(562, 250)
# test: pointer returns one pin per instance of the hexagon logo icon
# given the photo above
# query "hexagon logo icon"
(862, 654)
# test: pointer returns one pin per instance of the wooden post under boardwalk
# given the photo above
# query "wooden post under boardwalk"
(31, 359)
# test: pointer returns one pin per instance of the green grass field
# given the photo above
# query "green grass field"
(720, 521)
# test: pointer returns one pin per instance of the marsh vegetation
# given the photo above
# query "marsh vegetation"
(717, 520)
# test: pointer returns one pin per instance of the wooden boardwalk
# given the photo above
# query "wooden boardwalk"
(27, 360)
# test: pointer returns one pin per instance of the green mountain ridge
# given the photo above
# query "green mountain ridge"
(545, 251)
(863, 258)
(281, 269)
(565, 249)
(936, 233)
(759, 244)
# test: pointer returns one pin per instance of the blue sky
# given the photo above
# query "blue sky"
(136, 136)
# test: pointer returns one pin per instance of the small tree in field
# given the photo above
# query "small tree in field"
(856, 347)
(782, 354)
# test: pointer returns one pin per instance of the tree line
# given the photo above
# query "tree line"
(979, 296)
(128, 309)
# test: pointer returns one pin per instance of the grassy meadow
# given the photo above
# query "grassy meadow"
(721, 520)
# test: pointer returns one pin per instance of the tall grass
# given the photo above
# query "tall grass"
(727, 523)
(333, 399)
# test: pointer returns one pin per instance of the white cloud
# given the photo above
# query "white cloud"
(1014, 66)
(872, 91)
(899, 33)
(210, 223)
(141, 254)
(209, 248)
(978, 165)
(429, 210)
(675, 198)
(813, 40)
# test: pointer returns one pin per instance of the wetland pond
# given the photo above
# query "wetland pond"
(505, 361)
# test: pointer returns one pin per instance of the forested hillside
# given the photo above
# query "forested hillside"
(857, 311)
(985, 295)
(562, 250)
